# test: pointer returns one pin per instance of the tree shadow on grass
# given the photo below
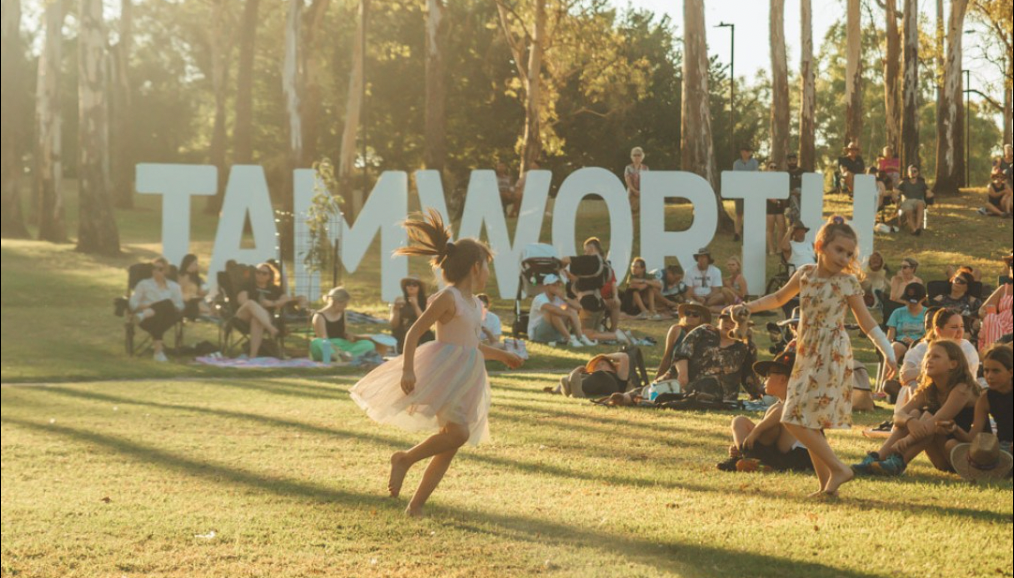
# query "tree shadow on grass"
(685, 559)
(536, 467)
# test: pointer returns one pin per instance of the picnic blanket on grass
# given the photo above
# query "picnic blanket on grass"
(260, 363)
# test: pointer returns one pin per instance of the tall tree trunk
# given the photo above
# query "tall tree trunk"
(122, 158)
(910, 116)
(12, 218)
(242, 133)
(892, 71)
(219, 36)
(313, 70)
(854, 72)
(1008, 102)
(353, 110)
(938, 72)
(808, 97)
(533, 121)
(698, 148)
(951, 143)
(98, 233)
(49, 123)
(779, 86)
(435, 153)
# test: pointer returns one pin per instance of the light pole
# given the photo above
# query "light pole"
(732, 85)
(968, 123)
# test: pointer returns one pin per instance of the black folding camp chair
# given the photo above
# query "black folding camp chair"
(133, 344)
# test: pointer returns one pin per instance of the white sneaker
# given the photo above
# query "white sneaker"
(588, 342)
(622, 338)
(575, 343)
(161, 358)
(656, 317)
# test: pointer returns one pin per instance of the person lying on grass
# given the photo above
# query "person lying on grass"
(947, 396)
(602, 376)
(768, 445)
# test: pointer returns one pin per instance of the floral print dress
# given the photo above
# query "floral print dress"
(820, 389)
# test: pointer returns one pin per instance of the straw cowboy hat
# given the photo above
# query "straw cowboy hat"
(704, 253)
(982, 459)
(701, 310)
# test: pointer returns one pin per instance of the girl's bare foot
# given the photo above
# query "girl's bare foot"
(414, 512)
(837, 480)
(399, 469)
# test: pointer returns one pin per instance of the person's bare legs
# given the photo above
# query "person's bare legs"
(771, 232)
(820, 451)
(741, 428)
(614, 313)
(823, 474)
(739, 225)
(251, 311)
(920, 216)
(442, 447)
(558, 324)
(256, 338)
(575, 323)
(639, 303)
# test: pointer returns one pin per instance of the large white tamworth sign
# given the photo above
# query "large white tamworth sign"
(247, 196)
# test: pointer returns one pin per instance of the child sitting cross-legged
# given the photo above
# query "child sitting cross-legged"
(768, 446)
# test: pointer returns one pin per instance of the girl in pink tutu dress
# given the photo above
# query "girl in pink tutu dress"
(440, 386)
(820, 388)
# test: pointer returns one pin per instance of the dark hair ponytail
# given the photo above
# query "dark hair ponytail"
(429, 237)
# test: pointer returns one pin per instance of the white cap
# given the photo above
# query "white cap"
(551, 279)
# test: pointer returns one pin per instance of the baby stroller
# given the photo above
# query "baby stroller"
(537, 261)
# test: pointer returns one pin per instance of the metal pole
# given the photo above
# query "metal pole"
(968, 124)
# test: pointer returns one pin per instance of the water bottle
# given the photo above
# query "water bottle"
(326, 351)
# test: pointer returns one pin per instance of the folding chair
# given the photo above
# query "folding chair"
(136, 274)
(234, 333)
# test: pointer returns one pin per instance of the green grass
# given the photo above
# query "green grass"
(117, 466)
(119, 479)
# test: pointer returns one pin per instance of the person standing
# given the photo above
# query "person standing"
(850, 165)
(915, 197)
(794, 212)
(820, 388)
(747, 163)
(441, 386)
(632, 176)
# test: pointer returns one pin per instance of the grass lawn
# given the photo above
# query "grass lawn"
(122, 467)
(287, 475)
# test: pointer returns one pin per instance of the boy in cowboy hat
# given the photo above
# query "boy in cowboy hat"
(768, 446)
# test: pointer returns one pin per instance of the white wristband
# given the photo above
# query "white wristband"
(879, 338)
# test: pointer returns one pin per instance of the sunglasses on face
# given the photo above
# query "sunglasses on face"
(263, 272)
(693, 314)
(416, 285)
(906, 266)
(959, 282)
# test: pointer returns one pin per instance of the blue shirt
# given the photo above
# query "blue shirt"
(750, 165)
(907, 325)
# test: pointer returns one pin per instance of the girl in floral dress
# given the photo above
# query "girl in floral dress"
(440, 386)
(820, 389)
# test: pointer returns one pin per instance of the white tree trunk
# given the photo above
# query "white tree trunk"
(98, 233)
(892, 68)
(242, 133)
(950, 143)
(292, 80)
(533, 109)
(779, 86)
(122, 158)
(49, 126)
(910, 94)
(808, 93)
(854, 72)
(698, 149)
(313, 52)
(353, 108)
(1008, 102)
(435, 154)
(12, 220)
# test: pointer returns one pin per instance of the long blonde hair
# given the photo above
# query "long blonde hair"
(961, 374)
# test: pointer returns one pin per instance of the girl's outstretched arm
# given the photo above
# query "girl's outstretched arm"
(874, 332)
(511, 360)
(779, 299)
(442, 308)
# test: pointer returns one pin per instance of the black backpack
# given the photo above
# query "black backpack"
(638, 373)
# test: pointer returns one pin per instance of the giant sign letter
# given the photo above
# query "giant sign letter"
(755, 189)
(246, 195)
(176, 184)
(584, 183)
(656, 242)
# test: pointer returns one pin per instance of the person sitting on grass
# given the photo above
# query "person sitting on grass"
(331, 334)
(610, 296)
(875, 284)
(603, 376)
(997, 313)
(734, 287)
(997, 403)
(796, 250)
(705, 282)
(962, 301)
(492, 328)
(640, 291)
(947, 396)
(710, 361)
(157, 305)
(691, 317)
(192, 286)
(407, 309)
(998, 196)
(907, 325)
(768, 445)
(554, 319)
(916, 196)
(669, 289)
(944, 324)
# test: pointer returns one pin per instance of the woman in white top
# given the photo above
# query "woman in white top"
(157, 304)
(948, 325)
